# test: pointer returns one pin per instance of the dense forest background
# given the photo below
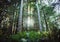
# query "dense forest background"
(29, 15)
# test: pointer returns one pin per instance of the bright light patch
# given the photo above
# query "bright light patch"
(30, 22)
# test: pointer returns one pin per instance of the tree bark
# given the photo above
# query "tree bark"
(39, 18)
(20, 17)
(45, 22)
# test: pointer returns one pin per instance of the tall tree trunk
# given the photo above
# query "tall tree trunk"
(20, 17)
(39, 18)
(45, 22)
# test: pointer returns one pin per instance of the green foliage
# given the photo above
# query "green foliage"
(15, 37)
(22, 34)
(45, 34)
(32, 35)
(48, 10)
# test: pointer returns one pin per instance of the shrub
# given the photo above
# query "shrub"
(32, 35)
